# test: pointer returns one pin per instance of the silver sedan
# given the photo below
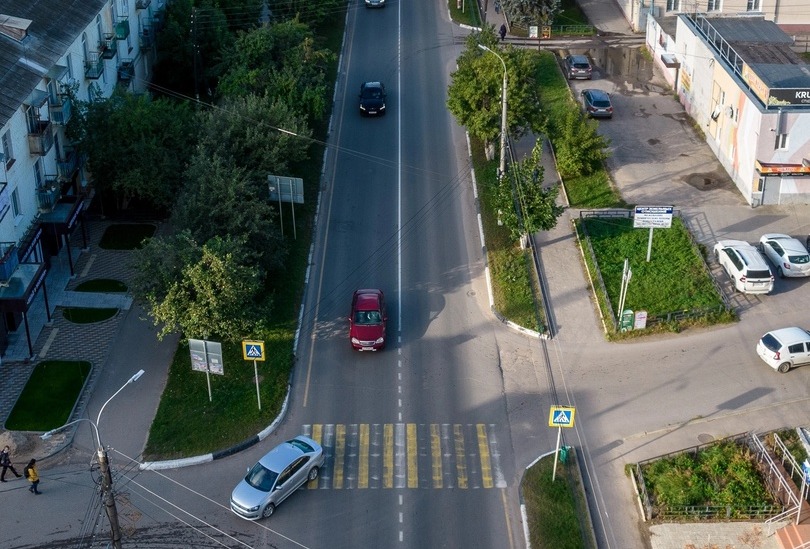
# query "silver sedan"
(788, 254)
(277, 475)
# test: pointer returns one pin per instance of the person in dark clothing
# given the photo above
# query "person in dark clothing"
(502, 31)
(5, 463)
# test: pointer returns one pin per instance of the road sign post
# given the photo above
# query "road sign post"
(652, 217)
(206, 356)
(560, 416)
(254, 350)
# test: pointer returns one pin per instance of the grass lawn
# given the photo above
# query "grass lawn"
(467, 15)
(104, 285)
(85, 315)
(556, 510)
(126, 236)
(49, 396)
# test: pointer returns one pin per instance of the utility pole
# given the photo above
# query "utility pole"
(108, 498)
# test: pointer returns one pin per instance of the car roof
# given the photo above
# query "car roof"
(788, 336)
(747, 252)
(597, 94)
(787, 242)
(367, 299)
(579, 58)
(285, 453)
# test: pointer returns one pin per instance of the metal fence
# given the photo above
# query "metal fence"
(775, 482)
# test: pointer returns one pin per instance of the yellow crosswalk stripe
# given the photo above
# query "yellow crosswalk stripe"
(413, 473)
(317, 433)
(436, 455)
(340, 450)
(388, 455)
(362, 479)
(461, 462)
(483, 452)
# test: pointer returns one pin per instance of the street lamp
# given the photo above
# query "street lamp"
(502, 168)
(104, 464)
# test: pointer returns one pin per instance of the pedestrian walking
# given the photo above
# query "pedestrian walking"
(502, 31)
(31, 474)
(497, 6)
(5, 462)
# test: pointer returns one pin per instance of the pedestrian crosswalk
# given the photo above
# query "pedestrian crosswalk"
(407, 455)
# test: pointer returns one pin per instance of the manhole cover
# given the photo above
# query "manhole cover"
(705, 438)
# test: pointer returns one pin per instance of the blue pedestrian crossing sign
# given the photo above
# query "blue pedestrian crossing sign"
(561, 416)
(253, 350)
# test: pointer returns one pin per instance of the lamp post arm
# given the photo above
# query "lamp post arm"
(134, 378)
(52, 432)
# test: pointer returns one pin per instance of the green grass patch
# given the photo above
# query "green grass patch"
(126, 236)
(103, 285)
(186, 423)
(509, 265)
(467, 14)
(87, 315)
(722, 475)
(49, 396)
(554, 508)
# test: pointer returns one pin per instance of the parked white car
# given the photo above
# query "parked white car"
(788, 254)
(785, 348)
(745, 266)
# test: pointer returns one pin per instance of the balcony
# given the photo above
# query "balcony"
(147, 38)
(108, 47)
(9, 259)
(93, 66)
(126, 72)
(40, 137)
(142, 4)
(60, 109)
(158, 20)
(48, 195)
(67, 167)
(122, 28)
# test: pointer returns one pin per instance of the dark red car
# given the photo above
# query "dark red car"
(367, 321)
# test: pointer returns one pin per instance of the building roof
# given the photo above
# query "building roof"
(55, 25)
(759, 51)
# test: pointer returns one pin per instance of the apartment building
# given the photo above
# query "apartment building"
(745, 87)
(792, 16)
(48, 48)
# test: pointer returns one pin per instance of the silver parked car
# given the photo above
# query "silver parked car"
(277, 475)
(787, 254)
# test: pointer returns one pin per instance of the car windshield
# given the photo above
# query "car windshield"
(261, 478)
(799, 259)
(301, 445)
(600, 103)
(372, 93)
(581, 65)
(771, 343)
(759, 274)
(367, 318)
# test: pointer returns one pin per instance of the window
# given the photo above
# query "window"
(673, 5)
(754, 5)
(781, 142)
(38, 173)
(8, 152)
(713, 5)
(15, 203)
(796, 348)
(69, 65)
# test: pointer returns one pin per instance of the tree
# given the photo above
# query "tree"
(311, 13)
(246, 131)
(131, 145)
(580, 148)
(531, 12)
(282, 61)
(220, 199)
(474, 94)
(538, 204)
(216, 295)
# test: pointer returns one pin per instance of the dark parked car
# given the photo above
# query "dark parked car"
(597, 103)
(577, 66)
(367, 320)
(372, 98)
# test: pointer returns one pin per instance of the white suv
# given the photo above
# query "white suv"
(745, 266)
(784, 348)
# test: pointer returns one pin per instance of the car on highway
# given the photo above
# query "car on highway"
(367, 320)
(577, 66)
(375, 3)
(785, 348)
(745, 266)
(787, 254)
(275, 476)
(372, 98)
(597, 103)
